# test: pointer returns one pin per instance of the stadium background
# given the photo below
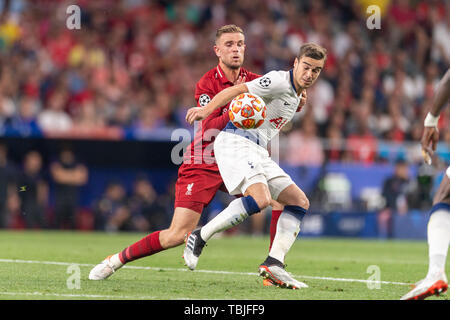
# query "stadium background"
(113, 92)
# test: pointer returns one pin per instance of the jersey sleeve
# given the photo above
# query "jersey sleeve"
(270, 84)
(203, 95)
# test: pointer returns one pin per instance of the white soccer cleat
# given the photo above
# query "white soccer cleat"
(431, 285)
(280, 277)
(193, 249)
(103, 270)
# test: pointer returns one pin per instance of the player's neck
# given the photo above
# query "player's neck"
(298, 89)
(231, 74)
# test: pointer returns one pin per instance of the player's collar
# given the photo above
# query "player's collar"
(222, 76)
(291, 77)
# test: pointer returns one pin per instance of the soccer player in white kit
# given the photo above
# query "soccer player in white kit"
(246, 167)
(438, 235)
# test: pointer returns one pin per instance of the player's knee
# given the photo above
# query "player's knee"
(304, 202)
(294, 196)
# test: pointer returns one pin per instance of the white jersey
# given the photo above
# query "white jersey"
(242, 155)
(277, 90)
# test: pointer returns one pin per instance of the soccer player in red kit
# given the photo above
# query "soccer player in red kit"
(198, 177)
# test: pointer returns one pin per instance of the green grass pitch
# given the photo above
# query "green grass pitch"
(44, 265)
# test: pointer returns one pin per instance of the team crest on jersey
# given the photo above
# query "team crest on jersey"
(264, 82)
(189, 189)
(204, 99)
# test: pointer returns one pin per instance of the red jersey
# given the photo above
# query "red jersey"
(207, 87)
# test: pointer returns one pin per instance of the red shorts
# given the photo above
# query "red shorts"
(196, 186)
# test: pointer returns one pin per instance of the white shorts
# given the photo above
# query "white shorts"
(242, 163)
(448, 172)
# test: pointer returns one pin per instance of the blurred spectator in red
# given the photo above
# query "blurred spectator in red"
(402, 18)
(382, 55)
(394, 125)
(361, 143)
(303, 146)
(334, 143)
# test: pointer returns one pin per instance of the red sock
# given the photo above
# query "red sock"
(273, 225)
(146, 246)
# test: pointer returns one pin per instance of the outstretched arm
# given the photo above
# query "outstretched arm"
(442, 95)
(222, 98)
(430, 136)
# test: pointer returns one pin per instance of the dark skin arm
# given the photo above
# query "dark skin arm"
(430, 136)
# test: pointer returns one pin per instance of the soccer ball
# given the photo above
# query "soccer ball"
(247, 111)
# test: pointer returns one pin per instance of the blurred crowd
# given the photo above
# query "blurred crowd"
(133, 65)
(41, 194)
(56, 191)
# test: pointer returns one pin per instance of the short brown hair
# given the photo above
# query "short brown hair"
(312, 50)
(229, 28)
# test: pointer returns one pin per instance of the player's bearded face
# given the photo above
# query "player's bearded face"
(230, 49)
(307, 70)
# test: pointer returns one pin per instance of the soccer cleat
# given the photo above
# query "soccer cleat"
(280, 277)
(103, 270)
(193, 249)
(267, 282)
(431, 285)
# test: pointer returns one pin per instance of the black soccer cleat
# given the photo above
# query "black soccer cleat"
(193, 249)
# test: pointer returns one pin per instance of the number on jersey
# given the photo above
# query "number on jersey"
(279, 122)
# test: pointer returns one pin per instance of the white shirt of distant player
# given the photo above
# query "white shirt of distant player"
(277, 91)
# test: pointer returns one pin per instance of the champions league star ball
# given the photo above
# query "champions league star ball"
(247, 111)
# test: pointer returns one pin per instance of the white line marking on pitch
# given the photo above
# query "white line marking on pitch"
(201, 271)
(70, 295)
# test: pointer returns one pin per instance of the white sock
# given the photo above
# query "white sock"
(115, 261)
(232, 215)
(438, 240)
(288, 227)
